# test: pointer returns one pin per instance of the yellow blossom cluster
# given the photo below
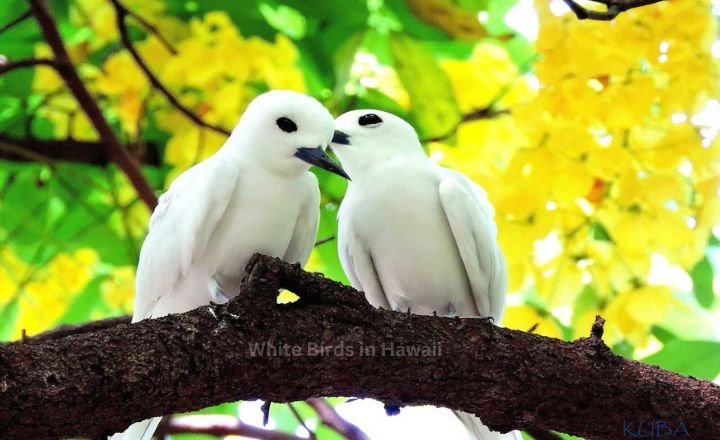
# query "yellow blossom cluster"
(44, 293)
(598, 166)
(215, 73)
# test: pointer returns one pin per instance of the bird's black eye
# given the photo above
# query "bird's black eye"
(286, 124)
(370, 119)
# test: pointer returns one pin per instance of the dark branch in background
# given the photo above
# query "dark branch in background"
(330, 418)
(14, 22)
(219, 426)
(325, 240)
(30, 62)
(63, 65)
(475, 115)
(97, 383)
(152, 29)
(121, 13)
(614, 7)
(65, 150)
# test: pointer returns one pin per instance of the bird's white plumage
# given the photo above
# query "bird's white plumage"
(253, 195)
(180, 229)
(413, 235)
(469, 215)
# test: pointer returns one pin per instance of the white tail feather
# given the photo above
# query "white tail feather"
(481, 432)
(139, 431)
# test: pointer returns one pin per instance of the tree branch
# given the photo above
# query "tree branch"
(121, 13)
(219, 426)
(66, 150)
(67, 71)
(78, 329)
(488, 112)
(14, 22)
(614, 8)
(330, 418)
(252, 348)
(30, 62)
(152, 29)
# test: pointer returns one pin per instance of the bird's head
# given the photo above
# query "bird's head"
(287, 131)
(364, 138)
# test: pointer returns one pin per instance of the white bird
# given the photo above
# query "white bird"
(254, 195)
(412, 235)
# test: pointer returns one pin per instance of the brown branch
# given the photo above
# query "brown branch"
(252, 348)
(152, 29)
(30, 62)
(218, 426)
(325, 240)
(66, 70)
(14, 22)
(121, 14)
(65, 150)
(330, 418)
(78, 329)
(300, 420)
(614, 8)
(475, 115)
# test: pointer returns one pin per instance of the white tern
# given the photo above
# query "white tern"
(255, 194)
(412, 235)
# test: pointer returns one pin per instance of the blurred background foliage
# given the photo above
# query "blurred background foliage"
(596, 141)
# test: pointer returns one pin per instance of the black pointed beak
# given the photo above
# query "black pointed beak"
(340, 138)
(316, 156)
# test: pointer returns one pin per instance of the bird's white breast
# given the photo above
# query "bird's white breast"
(260, 218)
(397, 214)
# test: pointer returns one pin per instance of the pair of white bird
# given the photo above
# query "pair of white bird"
(412, 235)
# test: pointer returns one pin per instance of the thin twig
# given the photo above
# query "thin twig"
(152, 29)
(300, 420)
(614, 7)
(12, 23)
(325, 240)
(30, 62)
(219, 426)
(121, 14)
(66, 70)
(330, 418)
(482, 113)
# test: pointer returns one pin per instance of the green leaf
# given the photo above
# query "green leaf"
(662, 334)
(8, 318)
(624, 349)
(587, 300)
(702, 278)
(434, 109)
(599, 233)
(84, 304)
(283, 18)
(700, 359)
(228, 409)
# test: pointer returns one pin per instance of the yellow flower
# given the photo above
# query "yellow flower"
(524, 317)
(630, 314)
(73, 271)
(118, 289)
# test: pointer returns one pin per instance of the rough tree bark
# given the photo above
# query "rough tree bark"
(95, 383)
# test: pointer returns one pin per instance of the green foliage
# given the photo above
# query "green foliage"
(700, 359)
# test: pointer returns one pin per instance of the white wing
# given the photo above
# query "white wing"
(358, 265)
(180, 228)
(306, 227)
(470, 216)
